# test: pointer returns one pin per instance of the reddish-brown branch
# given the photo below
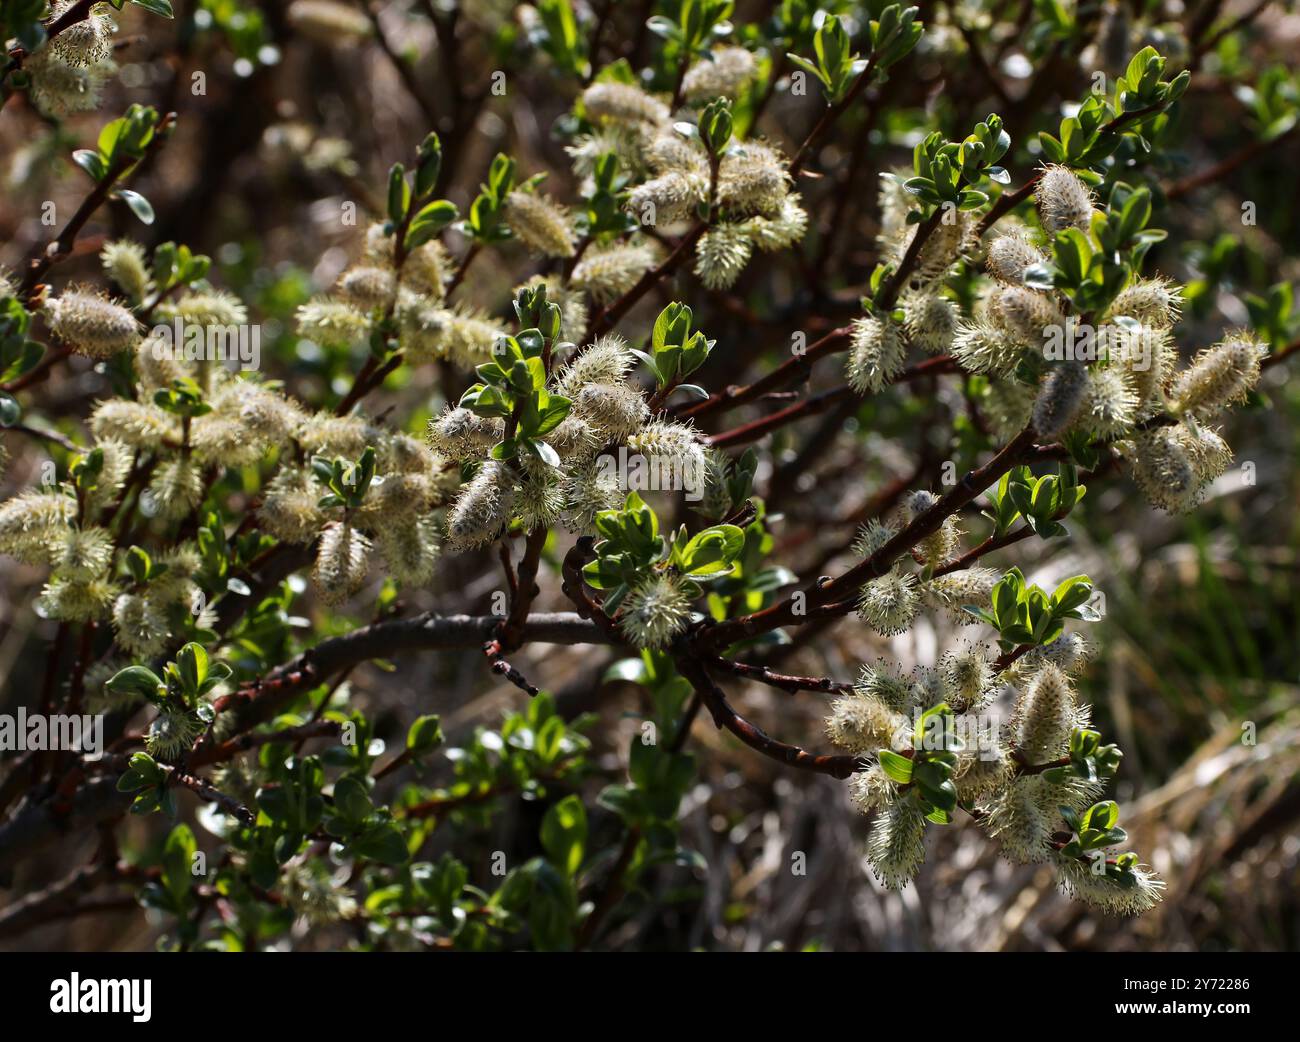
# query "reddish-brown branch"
(820, 403)
(724, 716)
(1222, 169)
(62, 245)
(799, 606)
(792, 684)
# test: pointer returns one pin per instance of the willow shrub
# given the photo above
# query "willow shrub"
(193, 493)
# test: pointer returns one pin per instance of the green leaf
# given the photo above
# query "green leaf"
(140, 206)
(898, 768)
(352, 800)
(712, 552)
(137, 680)
(383, 843)
(425, 734)
(192, 664)
(564, 834)
(88, 159)
(1071, 593)
(158, 7)
(10, 410)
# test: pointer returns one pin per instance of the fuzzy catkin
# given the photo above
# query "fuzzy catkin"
(876, 354)
(1063, 200)
(91, 324)
(341, 562)
(655, 612)
(968, 587)
(722, 74)
(608, 273)
(1027, 314)
(1060, 399)
(328, 23)
(540, 224)
(1009, 255)
(862, 723)
(930, 321)
(888, 604)
(332, 323)
(721, 255)
(1045, 716)
(368, 286)
(606, 361)
(483, 506)
(1218, 377)
(896, 846)
(1153, 302)
(614, 409)
(622, 103)
(125, 263)
(60, 88)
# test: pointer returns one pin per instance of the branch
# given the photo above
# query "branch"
(837, 766)
(384, 639)
(927, 523)
(61, 247)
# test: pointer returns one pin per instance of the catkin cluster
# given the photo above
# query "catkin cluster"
(1112, 377)
(748, 200)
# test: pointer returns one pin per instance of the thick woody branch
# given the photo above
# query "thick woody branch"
(383, 639)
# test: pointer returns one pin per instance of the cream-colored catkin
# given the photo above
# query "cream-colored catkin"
(607, 360)
(889, 603)
(1218, 377)
(60, 88)
(1045, 716)
(1174, 465)
(721, 255)
(781, 231)
(864, 724)
(327, 22)
(1111, 404)
(896, 846)
(1060, 399)
(1009, 256)
(948, 243)
(954, 592)
(464, 436)
(610, 272)
(289, 508)
(622, 103)
(1029, 315)
(1153, 302)
(876, 354)
(175, 489)
(368, 286)
(540, 224)
(332, 323)
(483, 507)
(753, 179)
(91, 324)
(614, 409)
(724, 73)
(341, 562)
(125, 263)
(1064, 201)
(985, 346)
(930, 321)
(655, 611)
